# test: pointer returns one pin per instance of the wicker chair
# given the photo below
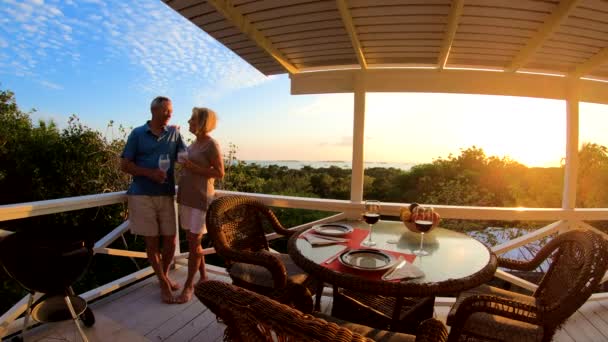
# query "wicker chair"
(237, 226)
(486, 313)
(251, 317)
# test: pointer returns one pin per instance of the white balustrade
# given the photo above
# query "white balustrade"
(562, 219)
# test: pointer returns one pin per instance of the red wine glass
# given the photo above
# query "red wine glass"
(371, 216)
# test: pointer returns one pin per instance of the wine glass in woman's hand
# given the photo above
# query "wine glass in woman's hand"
(164, 163)
(423, 218)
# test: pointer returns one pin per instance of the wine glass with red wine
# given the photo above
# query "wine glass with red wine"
(371, 216)
(423, 219)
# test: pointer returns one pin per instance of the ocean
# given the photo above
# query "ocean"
(298, 164)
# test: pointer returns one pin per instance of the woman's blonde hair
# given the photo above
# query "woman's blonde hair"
(206, 119)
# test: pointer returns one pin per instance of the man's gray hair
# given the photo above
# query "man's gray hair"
(159, 100)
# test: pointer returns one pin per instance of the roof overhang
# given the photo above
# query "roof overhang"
(449, 81)
(567, 38)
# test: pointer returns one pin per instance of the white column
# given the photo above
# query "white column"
(356, 185)
(571, 168)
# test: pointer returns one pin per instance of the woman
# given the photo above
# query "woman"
(203, 165)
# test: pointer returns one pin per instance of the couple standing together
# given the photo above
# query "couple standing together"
(150, 195)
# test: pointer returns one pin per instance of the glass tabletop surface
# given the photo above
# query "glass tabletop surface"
(452, 255)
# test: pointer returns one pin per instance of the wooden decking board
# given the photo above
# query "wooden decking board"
(176, 322)
(582, 330)
(192, 329)
(562, 336)
(597, 315)
(137, 314)
(213, 332)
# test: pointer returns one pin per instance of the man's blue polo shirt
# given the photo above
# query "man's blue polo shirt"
(144, 148)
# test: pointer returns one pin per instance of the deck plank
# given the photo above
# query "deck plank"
(593, 313)
(193, 327)
(177, 322)
(581, 330)
(137, 314)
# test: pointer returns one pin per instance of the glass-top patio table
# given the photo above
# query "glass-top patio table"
(455, 262)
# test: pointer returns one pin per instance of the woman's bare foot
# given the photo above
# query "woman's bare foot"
(186, 295)
(202, 280)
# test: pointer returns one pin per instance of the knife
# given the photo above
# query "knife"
(394, 268)
(330, 260)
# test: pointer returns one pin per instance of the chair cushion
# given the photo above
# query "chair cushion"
(259, 275)
(374, 334)
(494, 326)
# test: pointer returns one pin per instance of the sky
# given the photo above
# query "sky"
(106, 60)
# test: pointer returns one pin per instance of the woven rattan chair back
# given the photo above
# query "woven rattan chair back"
(250, 317)
(237, 222)
(578, 264)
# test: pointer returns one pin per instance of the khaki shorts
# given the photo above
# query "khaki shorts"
(151, 215)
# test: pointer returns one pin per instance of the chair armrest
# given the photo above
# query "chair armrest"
(264, 259)
(274, 221)
(520, 265)
(538, 259)
(431, 330)
(495, 306)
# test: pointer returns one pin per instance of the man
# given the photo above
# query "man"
(150, 195)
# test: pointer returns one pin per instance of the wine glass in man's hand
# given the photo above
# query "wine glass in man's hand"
(371, 216)
(164, 163)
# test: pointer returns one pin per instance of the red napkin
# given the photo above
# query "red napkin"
(354, 242)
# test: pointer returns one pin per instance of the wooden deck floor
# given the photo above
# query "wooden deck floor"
(137, 314)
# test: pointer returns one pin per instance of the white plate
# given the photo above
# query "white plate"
(367, 259)
(332, 229)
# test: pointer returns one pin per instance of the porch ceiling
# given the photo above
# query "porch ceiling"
(568, 37)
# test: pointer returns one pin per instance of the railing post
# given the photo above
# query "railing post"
(356, 185)
(571, 167)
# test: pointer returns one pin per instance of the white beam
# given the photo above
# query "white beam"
(516, 280)
(356, 186)
(226, 8)
(352, 32)
(30, 209)
(592, 63)
(450, 32)
(113, 235)
(120, 252)
(571, 167)
(547, 28)
(448, 81)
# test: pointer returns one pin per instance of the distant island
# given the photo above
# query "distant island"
(343, 164)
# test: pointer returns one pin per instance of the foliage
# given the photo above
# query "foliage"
(42, 162)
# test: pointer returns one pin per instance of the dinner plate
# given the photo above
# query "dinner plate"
(333, 229)
(367, 259)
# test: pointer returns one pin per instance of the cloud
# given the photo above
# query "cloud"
(166, 48)
(50, 85)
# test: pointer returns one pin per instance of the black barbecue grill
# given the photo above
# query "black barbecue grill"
(49, 262)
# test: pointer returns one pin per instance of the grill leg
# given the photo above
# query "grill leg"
(28, 312)
(68, 302)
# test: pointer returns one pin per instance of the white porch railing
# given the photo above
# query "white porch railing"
(562, 220)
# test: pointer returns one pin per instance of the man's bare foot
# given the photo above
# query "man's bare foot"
(174, 285)
(167, 297)
(186, 295)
